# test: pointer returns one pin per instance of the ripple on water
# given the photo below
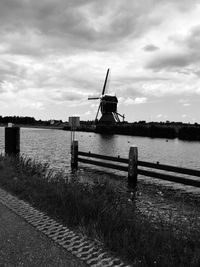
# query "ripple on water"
(53, 146)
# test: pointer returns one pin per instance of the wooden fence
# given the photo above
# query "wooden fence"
(132, 164)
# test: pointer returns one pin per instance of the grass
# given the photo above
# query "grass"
(103, 212)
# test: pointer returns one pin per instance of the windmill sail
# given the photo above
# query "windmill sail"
(93, 98)
(105, 82)
(97, 112)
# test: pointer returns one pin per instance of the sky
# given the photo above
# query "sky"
(54, 54)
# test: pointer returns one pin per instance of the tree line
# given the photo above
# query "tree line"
(25, 120)
(161, 130)
(167, 130)
(17, 120)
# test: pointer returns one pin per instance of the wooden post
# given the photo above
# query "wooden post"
(12, 141)
(132, 166)
(74, 155)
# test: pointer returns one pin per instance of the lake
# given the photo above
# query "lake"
(53, 146)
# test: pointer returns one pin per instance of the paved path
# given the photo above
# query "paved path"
(22, 245)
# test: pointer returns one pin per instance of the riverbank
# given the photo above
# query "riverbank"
(107, 214)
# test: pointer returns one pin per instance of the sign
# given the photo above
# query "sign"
(74, 122)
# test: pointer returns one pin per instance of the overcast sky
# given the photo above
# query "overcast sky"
(55, 53)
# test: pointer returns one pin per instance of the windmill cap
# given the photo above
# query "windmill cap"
(109, 97)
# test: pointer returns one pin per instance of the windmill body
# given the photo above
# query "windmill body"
(107, 107)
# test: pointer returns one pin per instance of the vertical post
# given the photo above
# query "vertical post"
(74, 122)
(132, 166)
(74, 155)
(12, 140)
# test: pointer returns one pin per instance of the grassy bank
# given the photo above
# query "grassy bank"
(104, 213)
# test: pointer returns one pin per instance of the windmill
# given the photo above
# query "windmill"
(107, 106)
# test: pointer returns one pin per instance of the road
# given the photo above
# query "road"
(22, 245)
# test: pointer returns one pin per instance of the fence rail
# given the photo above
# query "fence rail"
(158, 166)
(93, 155)
(169, 168)
(104, 164)
(171, 178)
(131, 165)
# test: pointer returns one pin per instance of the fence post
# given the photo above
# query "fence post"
(12, 140)
(132, 166)
(74, 155)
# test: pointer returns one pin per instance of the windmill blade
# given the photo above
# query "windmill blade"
(105, 83)
(93, 98)
(98, 111)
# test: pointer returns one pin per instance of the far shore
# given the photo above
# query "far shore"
(57, 127)
(182, 131)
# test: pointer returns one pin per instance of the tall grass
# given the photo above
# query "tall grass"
(103, 212)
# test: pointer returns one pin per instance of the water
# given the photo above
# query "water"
(53, 146)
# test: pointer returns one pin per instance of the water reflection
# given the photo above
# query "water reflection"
(106, 144)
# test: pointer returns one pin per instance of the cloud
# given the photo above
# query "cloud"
(159, 116)
(150, 48)
(193, 39)
(44, 27)
(183, 5)
(170, 61)
(33, 105)
(185, 102)
(38, 28)
(10, 70)
(69, 95)
(87, 113)
(185, 54)
(138, 100)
